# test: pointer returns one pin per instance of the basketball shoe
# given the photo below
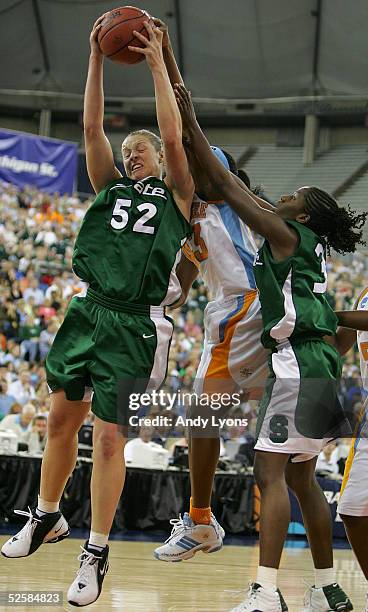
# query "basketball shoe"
(260, 599)
(187, 538)
(87, 585)
(49, 528)
(330, 598)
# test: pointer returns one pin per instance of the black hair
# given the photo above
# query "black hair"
(332, 222)
(244, 177)
(231, 161)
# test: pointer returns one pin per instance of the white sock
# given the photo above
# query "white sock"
(44, 507)
(267, 577)
(324, 577)
(97, 540)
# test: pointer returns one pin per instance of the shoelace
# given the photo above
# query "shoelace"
(31, 519)
(308, 594)
(178, 524)
(87, 559)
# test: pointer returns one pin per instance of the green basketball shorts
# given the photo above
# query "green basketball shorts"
(300, 411)
(102, 344)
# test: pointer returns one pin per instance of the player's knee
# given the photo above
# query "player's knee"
(263, 473)
(60, 426)
(106, 445)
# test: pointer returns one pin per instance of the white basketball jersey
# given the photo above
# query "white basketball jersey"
(224, 249)
(362, 339)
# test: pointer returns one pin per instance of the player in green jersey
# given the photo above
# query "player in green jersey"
(291, 276)
(127, 251)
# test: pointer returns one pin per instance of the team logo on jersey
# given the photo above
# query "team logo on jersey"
(198, 210)
(257, 260)
(364, 303)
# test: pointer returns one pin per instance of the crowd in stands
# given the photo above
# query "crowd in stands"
(37, 232)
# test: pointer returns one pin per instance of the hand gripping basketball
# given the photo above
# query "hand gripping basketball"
(153, 45)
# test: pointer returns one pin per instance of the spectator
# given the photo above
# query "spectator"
(19, 423)
(6, 400)
(22, 389)
(37, 435)
(327, 461)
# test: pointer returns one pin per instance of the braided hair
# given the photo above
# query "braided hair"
(332, 222)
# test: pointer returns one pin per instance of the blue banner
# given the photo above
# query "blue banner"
(48, 164)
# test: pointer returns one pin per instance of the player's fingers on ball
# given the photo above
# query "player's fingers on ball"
(137, 49)
(140, 36)
(148, 25)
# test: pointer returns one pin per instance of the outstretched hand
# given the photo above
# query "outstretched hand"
(161, 25)
(93, 38)
(152, 49)
(186, 108)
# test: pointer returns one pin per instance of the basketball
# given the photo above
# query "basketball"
(116, 34)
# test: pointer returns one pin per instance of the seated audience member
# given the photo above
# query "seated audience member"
(6, 400)
(19, 423)
(22, 389)
(327, 461)
(145, 437)
(37, 435)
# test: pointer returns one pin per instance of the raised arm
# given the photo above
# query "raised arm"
(100, 159)
(262, 220)
(168, 54)
(178, 177)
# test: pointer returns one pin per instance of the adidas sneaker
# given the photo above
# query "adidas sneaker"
(187, 538)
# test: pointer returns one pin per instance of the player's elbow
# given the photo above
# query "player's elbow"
(172, 139)
(92, 131)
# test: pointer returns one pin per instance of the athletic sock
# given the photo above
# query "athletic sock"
(97, 541)
(324, 577)
(200, 516)
(267, 577)
(46, 507)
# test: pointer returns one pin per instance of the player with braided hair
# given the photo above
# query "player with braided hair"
(299, 410)
(334, 223)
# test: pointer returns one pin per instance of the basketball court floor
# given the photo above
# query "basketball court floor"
(207, 583)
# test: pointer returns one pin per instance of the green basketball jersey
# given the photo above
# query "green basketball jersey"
(293, 291)
(130, 242)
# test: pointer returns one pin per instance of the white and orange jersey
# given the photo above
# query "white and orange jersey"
(223, 248)
(362, 339)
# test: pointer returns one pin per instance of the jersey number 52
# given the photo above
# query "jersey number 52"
(120, 216)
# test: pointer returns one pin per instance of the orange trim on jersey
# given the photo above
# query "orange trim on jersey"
(219, 364)
(364, 292)
(189, 254)
(351, 455)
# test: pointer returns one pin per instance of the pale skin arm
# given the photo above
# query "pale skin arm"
(99, 156)
(178, 177)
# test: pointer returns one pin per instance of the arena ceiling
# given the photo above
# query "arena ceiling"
(226, 48)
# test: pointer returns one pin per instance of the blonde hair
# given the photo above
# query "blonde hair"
(151, 136)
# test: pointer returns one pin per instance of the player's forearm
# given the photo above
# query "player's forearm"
(93, 112)
(354, 319)
(223, 181)
(171, 66)
(168, 116)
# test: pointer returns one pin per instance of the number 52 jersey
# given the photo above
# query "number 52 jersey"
(130, 242)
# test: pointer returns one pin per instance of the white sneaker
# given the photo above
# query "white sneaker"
(330, 598)
(87, 585)
(51, 527)
(187, 538)
(366, 607)
(260, 599)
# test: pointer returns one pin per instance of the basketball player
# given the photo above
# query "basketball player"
(127, 251)
(353, 503)
(298, 408)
